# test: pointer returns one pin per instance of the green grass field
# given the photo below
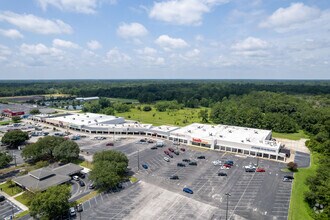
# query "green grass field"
(5, 122)
(10, 190)
(180, 117)
(25, 198)
(299, 209)
(135, 101)
(293, 136)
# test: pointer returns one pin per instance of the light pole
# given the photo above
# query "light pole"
(227, 194)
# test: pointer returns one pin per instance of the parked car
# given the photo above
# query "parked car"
(153, 148)
(79, 207)
(181, 164)
(166, 152)
(82, 175)
(260, 170)
(250, 170)
(109, 144)
(230, 162)
(170, 155)
(187, 190)
(81, 183)
(182, 149)
(193, 163)
(227, 165)
(186, 160)
(143, 140)
(201, 157)
(174, 177)
(171, 149)
(167, 159)
(176, 152)
(216, 162)
(145, 166)
(222, 174)
(150, 141)
(91, 186)
(72, 211)
(76, 178)
(2, 198)
(288, 178)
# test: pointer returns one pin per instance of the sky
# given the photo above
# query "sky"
(170, 39)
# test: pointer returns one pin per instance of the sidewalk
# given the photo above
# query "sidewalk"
(14, 201)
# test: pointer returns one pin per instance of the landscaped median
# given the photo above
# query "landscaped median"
(10, 188)
(87, 197)
(299, 208)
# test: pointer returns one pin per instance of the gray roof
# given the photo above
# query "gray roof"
(42, 173)
(34, 185)
(68, 169)
(43, 178)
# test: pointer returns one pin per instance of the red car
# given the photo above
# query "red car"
(166, 152)
(261, 170)
(227, 165)
(109, 144)
(171, 149)
(182, 149)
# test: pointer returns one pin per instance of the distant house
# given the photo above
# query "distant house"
(9, 113)
(43, 178)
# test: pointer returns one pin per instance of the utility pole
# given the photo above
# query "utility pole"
(227, 194)
(257, 159)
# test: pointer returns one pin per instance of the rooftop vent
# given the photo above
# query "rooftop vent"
(210, 134)
(221, 136)
(89, 122)
(73, 119)
(230, 131)
(242, 141)
(189, 131)
(256, 132)
(87, 116)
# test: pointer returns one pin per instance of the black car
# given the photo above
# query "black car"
(186, 160)
(201, 157)
(193, 163)
(143, 140)
(174, 177)
(181, 164)
(288, 177)
(222, 174)
(176, 152)
(82, 175)
(81, 183)
(154, 148)
(2, 198)
(170, 155)
(250, 170)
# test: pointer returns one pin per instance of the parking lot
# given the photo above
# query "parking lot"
(8, 209)
(252, 195)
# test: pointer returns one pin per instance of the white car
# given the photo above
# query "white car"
(250, 167)
(216, 162)
(76, 178)
(167, 159)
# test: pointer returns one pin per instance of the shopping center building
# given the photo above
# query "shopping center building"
(239, 140)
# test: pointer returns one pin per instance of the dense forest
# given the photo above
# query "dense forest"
(283, 106)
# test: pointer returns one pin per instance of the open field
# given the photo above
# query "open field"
(299, 209)
(292, 136)
(134, 101)
(180, 117)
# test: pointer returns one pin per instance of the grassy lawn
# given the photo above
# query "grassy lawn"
(10, 190)
(180, 117)
(87, 197)
(291, 136)
(21, 214)
(5, 122)
(124, 100)
(299, 209)
(24, 198)
(83, 163)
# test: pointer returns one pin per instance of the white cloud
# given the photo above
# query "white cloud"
(4, 52)
(65, 44)
(251, 43)
(11, 33)
(168, 43)
(147, 51)
(39, 49)
(131, 30)
(115, 56)
(79, 6)
(94, 45)
(35, 24)
(294, 14)
(183, 12)
(192, 53)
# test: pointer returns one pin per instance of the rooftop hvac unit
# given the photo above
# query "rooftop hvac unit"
(256, 132)
(89, 122)
(82, 120)
(221, 136)
(189, 131)
(204, 129)
(100, 116)
(242, 141)
(73, 119)
(210, 134)
(78, 115)
(212, 126)
(230, 131)
(87, 116)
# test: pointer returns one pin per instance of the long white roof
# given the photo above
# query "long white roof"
(87, 118)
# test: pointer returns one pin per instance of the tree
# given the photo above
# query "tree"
(15, 138)
(147, 108)
(4, 159)
(104, 102)
(204, 114)
(52, 203)
(34, 111)
(121, 107)
(16, 119)
(292, 166)
(109, 168)
(67, 151)
(42, 149)
(108, 111)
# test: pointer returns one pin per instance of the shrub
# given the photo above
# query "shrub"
(292, 166)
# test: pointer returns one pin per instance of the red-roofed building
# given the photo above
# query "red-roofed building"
(9, 113)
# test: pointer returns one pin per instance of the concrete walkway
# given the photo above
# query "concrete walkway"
(13, 200)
